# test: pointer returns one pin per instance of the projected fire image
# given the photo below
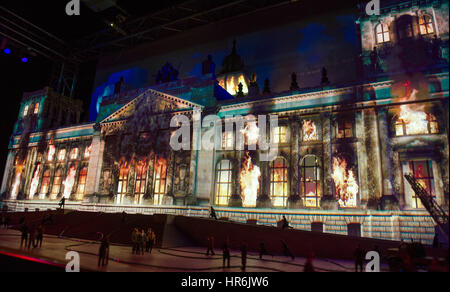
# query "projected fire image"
(250, 182)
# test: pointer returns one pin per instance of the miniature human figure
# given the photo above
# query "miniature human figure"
(263, 250)
(212, 213)
(40, 235)
(285, 223)
(103, 253)
(148, 240)
(142, 241)
(134, 241)
(359, 258)
(287, 252)
(226, 254)
(62, 203)
(124, 215)
(31, 237)
(436, 48)
(24, 235)
(309, 267)
(210, 247)
(244, 256)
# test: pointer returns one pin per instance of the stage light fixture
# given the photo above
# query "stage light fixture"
(7, 51)
(24, 59)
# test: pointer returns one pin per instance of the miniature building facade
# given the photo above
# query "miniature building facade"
(342, 151)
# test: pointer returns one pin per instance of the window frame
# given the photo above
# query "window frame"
(158, 195)
(284, 180)
(384, 33)
(430, 183)
(122, 185)
(316, 181)
(229, 183)
(425, 24)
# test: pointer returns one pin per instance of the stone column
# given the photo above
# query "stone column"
(8, 167)
(193, 167)
(388, 201)
(328, 198)
(95, 164)
(362, 158)
(374, 179)
(294, 200)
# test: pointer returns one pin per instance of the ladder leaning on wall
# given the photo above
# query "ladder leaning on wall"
(436, 211)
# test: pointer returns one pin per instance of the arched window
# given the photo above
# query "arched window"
(383, 33)
(160, 180)
(25, 111)
(279, 182)
(141, 181)
(36, 108)
(310, 181)
(56, 184)
(61, 154)
(81, 183)
(45, 183)
(405, 27)
(224, 182)
(122, 186)
(426, 24)
(74, 154)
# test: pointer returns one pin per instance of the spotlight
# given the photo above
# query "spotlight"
(24, 59)
(7, 51)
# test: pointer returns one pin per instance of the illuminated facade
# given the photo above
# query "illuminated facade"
(343, 151)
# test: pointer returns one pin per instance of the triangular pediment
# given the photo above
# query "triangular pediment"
(156, 102)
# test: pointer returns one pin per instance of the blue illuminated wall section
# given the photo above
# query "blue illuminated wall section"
(303, 46)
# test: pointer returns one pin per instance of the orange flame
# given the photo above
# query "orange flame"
(51, 152)
(414, 117)
(34, 182)
(309, 131)
(16, 184)
(345, 183)
(251, 133)
(69, 181)
(231, 84)
(249, 181)
(87, 151)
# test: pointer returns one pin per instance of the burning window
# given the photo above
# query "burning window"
(57, 180)
(74, 153)
(81, 183)
(426, 25)
(51, 152)
(69, 182)
(87, 152)
(310, 181)
(345, 183)
(231, 83)
(36, 108)
(415, 121)
(61, 154)
(122, 185)
(422, 170)
(383, 33)
(280, 135)
(309, 131)
(15, 186)
(344, 129)
(25, 111)
(279, 182)
(141, 181)
(224, 182)
(227, 140)
(45, 184)
(34, 182)
(249, 181)
(251, 133)
(160, 180)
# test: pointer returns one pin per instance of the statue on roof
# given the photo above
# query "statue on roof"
(233, 62)
(167, 74)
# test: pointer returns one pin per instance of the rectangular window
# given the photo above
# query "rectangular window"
(344, 129)
(280, 136)
(122, 186)
(139, 189)
(227, 140)
(279, 182)
(423, 172)
(160, 181)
